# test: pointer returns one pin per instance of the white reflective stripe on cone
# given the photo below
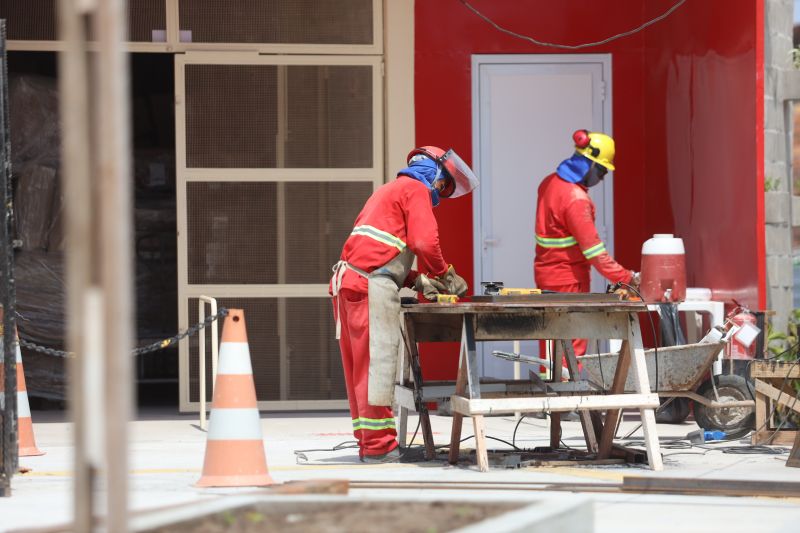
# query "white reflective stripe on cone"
(234, 358)
(19, 355)
(234, 424)
(23, 408)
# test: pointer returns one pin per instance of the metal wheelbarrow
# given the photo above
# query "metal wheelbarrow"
(724, 402)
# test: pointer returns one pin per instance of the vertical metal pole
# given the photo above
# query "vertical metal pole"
(96, 147)
(9, 405)
(74, 89)
(113, 167)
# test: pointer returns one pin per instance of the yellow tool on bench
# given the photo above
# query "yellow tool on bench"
(446, 298)
(510, 291)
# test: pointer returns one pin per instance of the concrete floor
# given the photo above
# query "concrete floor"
(167, 455)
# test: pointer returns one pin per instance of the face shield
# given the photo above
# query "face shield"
(462, 178)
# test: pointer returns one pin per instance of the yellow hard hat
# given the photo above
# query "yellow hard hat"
(596, 146)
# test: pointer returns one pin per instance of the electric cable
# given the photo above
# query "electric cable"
(652, 328)
(537, 42)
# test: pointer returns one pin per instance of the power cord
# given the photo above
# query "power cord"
(573, 46)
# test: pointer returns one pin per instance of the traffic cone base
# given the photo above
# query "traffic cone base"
(27, 442)
(220, 468)
(235, 446)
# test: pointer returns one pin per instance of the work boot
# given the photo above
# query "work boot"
(390, 457)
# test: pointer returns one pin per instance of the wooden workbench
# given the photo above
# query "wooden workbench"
(471, 322)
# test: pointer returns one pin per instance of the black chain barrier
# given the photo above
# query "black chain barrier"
(160, 345)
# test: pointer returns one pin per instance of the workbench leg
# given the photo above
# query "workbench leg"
(642, 382)
(586, 417)
(555, 418)
(461, 387)
(402, 427)
(416, 370)
(481, 453)
(617, 387)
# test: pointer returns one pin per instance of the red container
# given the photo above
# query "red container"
(736, 349)
(663, 269)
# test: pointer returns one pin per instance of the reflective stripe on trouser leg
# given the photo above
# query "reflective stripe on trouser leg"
(354, 345)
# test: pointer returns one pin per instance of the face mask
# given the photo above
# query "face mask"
(595, 175)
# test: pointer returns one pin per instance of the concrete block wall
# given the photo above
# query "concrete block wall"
(778, 19)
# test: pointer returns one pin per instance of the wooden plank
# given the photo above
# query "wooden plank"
(465, 306)
(556, 404)
(549, 325)
(783, 398)
(617, 386)
(461, 387)
(586, 417)
(782, 437)
(774, 369)
(642, 383)
(481, 453)
(695, 485)
(794, 455)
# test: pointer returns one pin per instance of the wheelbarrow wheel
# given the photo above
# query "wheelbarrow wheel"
(728, 419)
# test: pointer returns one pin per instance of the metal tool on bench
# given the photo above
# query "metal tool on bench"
(496, 288)
(519, 358)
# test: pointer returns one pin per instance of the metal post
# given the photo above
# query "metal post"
(115, 254)
(73, 78)
(96, 147)
(8, 407)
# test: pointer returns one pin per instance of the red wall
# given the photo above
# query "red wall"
(703, 49)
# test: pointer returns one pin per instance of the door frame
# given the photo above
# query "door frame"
(479, 197)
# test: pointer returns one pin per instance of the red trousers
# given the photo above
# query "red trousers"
(578, 345)
(373, 426)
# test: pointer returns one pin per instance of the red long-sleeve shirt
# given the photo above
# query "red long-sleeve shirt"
(401, 209)
(567, 243)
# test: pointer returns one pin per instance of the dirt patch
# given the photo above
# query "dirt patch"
(357, 517)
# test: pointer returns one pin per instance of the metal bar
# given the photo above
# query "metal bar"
(74, 89)
(201, 349)
(555, 418)
(115, 250)
(9, 436)
(586, 417)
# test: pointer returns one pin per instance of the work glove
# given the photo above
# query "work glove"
(429, 287)
(453, 283)
(636, 279)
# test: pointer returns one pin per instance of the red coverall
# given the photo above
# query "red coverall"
(403, 209)
(567, 243)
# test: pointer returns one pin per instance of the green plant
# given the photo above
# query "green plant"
(795, 53)
(783, 346)
(771, 183)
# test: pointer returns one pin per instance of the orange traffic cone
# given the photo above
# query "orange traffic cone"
(27, 443)
(234, 448)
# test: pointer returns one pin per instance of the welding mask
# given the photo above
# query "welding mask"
(459, 178)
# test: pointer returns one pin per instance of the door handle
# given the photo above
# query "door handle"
(489, 241)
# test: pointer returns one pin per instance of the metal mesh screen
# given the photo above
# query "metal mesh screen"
(313, 363)
(320, 217)
(30, 20)
(147, 21)
(35, 20)
(277, 21)
(235, 117)
(233, 230)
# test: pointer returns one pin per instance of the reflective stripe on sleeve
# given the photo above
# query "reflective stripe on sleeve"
(380, 236)
(555, 242)
(594, 251)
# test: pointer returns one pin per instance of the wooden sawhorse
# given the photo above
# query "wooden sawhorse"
(471, 322)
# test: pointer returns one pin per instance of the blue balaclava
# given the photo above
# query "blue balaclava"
(574, 169)
(427, 171)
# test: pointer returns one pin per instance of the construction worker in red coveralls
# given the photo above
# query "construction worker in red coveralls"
(567, 243)
(396, 224)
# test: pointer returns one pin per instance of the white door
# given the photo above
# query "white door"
(525, 109)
